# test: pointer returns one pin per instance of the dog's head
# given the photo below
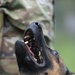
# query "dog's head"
(34, 57)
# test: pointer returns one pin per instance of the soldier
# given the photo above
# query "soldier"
(17, 15)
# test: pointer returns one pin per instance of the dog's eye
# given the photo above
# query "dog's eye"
(54, 52)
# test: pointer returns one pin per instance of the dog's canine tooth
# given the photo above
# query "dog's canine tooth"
(26, 42)
(39, 53)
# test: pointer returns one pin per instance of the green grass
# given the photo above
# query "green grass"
(66, 48)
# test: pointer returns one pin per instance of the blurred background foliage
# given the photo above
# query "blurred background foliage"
(65, 31)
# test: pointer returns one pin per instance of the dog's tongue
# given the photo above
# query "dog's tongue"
(30, 50)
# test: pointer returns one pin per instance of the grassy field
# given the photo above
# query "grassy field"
(65, 45)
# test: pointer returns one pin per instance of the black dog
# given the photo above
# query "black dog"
(35, 58)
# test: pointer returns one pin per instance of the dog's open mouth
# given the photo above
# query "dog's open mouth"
(32, 47)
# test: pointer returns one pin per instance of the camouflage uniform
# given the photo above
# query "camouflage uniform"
(17, 14)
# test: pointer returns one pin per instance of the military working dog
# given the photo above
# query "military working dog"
(34, 57)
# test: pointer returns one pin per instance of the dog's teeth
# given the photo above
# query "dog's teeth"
(35, 59)
(26, 42)
(41, 57)
(39, 53)
(26, 36)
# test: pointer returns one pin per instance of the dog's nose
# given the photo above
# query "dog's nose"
(36, 23)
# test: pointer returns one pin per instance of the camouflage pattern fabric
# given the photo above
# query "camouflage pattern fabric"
(17, 15)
